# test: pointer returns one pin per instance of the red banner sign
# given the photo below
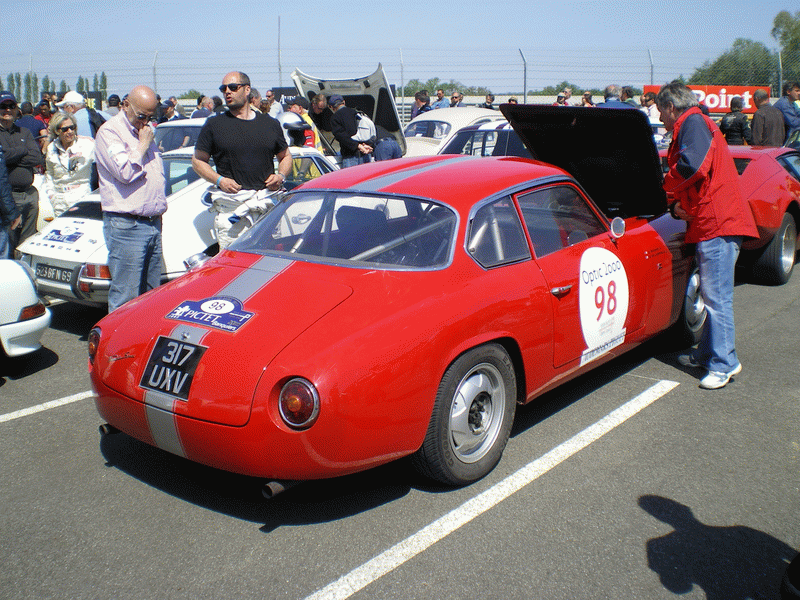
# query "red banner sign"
(718, 97)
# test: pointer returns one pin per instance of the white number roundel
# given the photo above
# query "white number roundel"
(217, 306)
(603, 299)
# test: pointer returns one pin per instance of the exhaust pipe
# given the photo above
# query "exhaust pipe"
(107, 429)
(273, 488)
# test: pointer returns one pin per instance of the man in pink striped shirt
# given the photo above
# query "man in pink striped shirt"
(132, 195)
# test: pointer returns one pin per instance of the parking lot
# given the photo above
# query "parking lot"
(627, 483)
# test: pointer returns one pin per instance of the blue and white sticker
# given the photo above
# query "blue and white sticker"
(603, 301)
(221, 312)
(66, 235)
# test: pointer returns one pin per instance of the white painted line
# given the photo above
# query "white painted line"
(395, 556)
(46, 406)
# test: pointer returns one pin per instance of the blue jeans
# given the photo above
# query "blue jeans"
(387, 149)
(716, 259)
(134, 256)
(5, 246)
(352, 161)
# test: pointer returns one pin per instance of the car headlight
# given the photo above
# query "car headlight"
(299, 403)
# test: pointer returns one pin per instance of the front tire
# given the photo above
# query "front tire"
(776, 262)
(472, 417)
(689, 327)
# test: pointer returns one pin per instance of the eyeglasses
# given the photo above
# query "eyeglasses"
(67, 128)
(232, 86)
(453, 97)
(8, 106)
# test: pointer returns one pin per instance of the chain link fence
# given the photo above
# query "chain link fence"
(500, 71)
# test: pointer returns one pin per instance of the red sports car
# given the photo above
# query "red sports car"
(405, 308)
(770, 179)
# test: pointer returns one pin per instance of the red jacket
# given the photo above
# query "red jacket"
(703, 178)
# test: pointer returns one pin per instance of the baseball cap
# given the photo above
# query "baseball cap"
(167, 104)
(6, 96)
(300, 101)
(335, 99)
(71, 98)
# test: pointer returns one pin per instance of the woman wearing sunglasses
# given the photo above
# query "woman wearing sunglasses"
(69, 159)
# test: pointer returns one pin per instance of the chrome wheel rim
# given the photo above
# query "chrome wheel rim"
(694, 306)
(477, 412)
(788, 248)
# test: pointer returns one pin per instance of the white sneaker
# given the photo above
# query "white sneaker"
(715, 380)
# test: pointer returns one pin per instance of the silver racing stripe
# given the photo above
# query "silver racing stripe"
(164, 430)
(379, 183)
(255, 278)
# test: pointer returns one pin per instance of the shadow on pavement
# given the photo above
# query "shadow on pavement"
(727, 563)
(240, 497)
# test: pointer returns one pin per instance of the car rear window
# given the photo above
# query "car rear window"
(356, 230)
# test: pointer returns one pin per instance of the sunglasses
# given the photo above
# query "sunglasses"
(8, 106)
(231, 86)
(67, 128)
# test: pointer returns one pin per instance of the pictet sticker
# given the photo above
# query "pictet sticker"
(65, 235)
(603, 301)
(221, 312)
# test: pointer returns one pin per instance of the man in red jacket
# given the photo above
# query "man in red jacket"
(703, 187)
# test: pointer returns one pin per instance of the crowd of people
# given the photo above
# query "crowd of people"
(80, 149)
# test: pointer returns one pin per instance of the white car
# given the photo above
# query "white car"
(23, 316)
(431, 130)
(69, 256)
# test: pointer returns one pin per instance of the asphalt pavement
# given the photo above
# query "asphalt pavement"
(692, 493)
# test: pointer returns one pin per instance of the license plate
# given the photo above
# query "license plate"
(53, 273)
(171, 367)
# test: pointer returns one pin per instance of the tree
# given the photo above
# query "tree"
(192, 93)
(551, 90)
(96, 83)
(10, 81)
(746, 63)
(103, 86)
(18, 85)
(35, 85)
(63, 88)
(786, 30)
(47, 84)
(28, 87)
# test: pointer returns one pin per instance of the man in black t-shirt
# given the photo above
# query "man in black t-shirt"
(243, 144)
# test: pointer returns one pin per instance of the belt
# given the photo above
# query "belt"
(150, 219)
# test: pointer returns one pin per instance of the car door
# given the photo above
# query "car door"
(597, 282)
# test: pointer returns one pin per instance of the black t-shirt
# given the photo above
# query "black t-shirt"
(242, 150)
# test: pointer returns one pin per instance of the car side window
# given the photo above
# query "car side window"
(791, 162)
(558, 217)
(496, 236)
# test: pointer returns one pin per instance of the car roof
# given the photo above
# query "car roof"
(611, 153)
(457, 180)
(183, 123)
(459, 116)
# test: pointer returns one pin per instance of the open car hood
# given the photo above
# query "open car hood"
(611, 153)
(371, 95)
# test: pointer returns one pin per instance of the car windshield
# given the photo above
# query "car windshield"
(355, 230)
(432, 129)
(176, 136)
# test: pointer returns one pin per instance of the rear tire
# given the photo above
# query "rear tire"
(776, 262)
(472, 417)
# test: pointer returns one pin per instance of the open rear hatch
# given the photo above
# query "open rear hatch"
(372, 95)
(611, 153)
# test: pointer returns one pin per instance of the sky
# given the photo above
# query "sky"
(507, 46)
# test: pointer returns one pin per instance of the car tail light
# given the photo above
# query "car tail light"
(95, 271)
(32, 311)
(93, 341)
(299, 403)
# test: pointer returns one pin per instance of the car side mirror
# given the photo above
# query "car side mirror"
(617, 227)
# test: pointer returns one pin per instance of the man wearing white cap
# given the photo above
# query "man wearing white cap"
(87, 119)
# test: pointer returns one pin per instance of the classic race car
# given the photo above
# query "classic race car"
(405, 308)
(69, 255)
(23, 317)
(770, 179)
